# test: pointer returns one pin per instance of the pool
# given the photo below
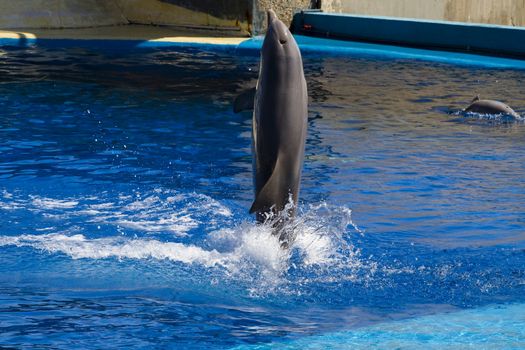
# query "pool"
(125, 180)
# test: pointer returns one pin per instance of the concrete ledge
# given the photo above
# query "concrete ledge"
(127, 37)
(124, 32)
(481, 38)
(148, 37)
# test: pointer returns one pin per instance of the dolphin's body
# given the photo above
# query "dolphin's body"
(279, 121)
(490, 107)
(280, 118)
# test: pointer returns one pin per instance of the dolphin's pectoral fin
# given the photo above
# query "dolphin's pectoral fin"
(269, 193)
(244, 102)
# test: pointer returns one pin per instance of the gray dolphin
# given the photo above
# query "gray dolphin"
(280, 115)
(490, 107)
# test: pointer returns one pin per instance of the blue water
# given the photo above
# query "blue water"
(125, 181)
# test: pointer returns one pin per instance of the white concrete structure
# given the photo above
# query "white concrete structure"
(504, 12)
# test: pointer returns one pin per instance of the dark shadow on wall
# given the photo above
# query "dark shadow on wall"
(22, 39)
(229, 9)
(240, 10)
(316, 4)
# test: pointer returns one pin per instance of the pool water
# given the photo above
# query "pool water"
(125, 181)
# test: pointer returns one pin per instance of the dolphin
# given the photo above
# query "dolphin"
(490, 107)
(280, 116)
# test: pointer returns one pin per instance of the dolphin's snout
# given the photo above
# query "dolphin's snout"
(278, 39)
(278, 27)
(271, 16)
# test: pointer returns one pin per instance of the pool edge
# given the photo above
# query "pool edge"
(309, 45)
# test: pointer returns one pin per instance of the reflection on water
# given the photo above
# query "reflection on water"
(403, 166)
(126, 179)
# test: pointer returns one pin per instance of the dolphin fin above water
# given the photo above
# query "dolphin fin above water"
(490, 107)
(244, 102)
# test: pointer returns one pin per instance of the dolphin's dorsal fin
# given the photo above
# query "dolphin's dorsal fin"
(475, 99)
(265, 199)
(244, 102)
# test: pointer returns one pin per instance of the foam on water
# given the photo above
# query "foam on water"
(143, 226)
(49, 203)
(493, 118)
(219, 243)
(77, 246)
(147, 212)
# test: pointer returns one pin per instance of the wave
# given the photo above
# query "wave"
(157, 211)
(79, 247)
(499, 118)
(330, 256)
(238, 247)
(247, 240)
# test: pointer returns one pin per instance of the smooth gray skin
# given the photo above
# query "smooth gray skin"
(490, 107)
(280, 118)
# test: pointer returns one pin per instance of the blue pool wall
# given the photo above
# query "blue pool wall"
(309, 46)
(480, 38)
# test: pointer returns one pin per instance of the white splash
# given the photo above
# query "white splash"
(497, 118)
(242, 250)
(251, 244)
(316, 247)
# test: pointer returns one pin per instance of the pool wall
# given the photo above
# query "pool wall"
(231, 14)
(60, 13)
(241, 17)
(235, 15)
(481, 38)
(144, 37)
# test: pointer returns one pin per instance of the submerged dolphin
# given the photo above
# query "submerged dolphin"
(279, 124)
(490, 107)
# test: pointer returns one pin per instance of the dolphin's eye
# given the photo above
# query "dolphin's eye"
(283, 41)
